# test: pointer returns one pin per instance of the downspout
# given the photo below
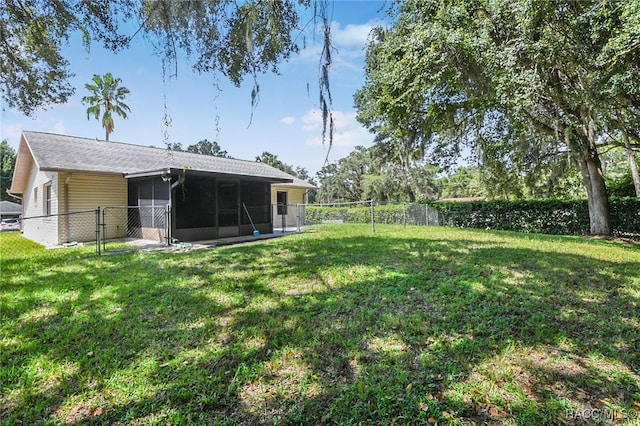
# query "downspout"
(170, 212)
(66, 205)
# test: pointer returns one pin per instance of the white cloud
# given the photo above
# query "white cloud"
(288, 120)
(349, 43)
(58, 128)
(347, 133)
(352, 35)
(11, 132)
(311, 120)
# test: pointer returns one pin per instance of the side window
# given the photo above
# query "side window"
(47, 200)
(281, 197)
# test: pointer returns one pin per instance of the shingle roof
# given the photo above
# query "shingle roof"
(297, 183)
(60, 152)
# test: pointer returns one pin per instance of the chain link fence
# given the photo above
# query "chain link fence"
(569, 217)
(408, 214)
(63, 229)
(373, 213)
(117, 228)
(108, 229)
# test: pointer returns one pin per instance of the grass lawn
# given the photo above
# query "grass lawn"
(416, 325)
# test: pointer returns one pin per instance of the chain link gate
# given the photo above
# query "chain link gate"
(288, 217)
(126, 226)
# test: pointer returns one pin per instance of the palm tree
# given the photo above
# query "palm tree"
(105, 94)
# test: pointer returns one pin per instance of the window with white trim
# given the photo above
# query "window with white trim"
(281, 198)
(47, 199)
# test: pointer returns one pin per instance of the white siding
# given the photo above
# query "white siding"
(35, 207)
(43, 230)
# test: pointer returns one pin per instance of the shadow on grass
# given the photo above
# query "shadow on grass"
(405, 328)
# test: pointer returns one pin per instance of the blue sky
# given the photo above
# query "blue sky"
(286, 121)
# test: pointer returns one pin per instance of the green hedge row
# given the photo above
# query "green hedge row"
(539, 216)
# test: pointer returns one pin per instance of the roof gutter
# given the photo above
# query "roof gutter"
(149, 173)
(14, 196)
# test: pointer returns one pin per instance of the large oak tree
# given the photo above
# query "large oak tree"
(518, 80)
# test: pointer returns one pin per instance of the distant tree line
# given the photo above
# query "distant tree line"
(7, 163)
(204, 147)
(365, 174)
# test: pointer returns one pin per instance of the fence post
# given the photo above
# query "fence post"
(404, 215)
(373, 221)
(98, 230)
(284, 217)
(104, 229)
(298, 216)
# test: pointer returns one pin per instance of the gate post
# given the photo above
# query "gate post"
(104, 229)
(98, 230)
(167, 222)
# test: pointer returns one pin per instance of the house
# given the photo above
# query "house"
(205, 197)
(10, 210)
(287, 199)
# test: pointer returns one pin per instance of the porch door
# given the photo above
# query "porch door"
(228, 209)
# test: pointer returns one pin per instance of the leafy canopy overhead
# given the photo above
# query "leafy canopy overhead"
(237, 39)
(451, 72)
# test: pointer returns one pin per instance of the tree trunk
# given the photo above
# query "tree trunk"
(633, 164)
(597, 198)
(593, 179)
